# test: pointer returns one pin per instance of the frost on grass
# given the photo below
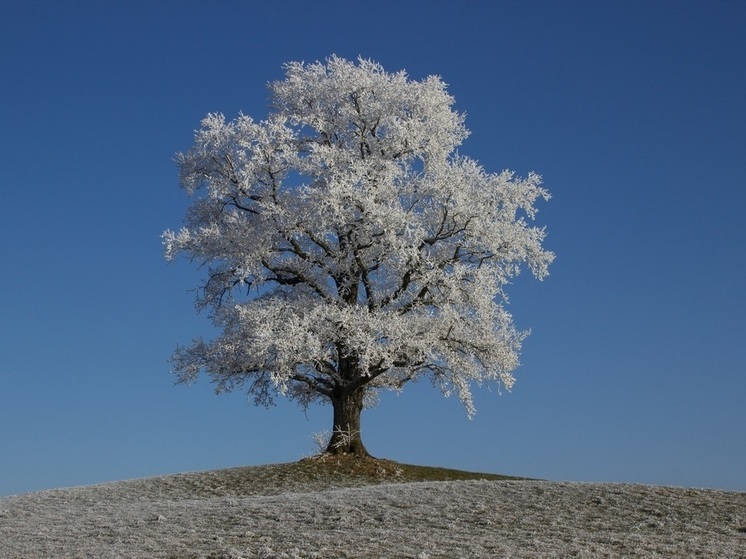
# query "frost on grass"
(171, 517)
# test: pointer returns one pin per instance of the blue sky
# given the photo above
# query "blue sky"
(633, 112)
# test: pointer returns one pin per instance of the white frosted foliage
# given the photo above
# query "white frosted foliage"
(348, 245)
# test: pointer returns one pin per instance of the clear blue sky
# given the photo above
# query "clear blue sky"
(633, 112)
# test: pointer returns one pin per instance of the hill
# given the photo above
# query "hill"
(336, 508)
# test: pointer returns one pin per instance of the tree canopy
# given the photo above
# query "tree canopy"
(349, 248)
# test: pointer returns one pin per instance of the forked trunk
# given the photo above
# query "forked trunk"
(346, 433)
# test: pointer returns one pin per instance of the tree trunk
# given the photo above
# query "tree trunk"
(346, 433)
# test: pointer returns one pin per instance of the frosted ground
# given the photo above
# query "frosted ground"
(268, 512)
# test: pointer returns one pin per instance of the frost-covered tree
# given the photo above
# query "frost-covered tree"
(349, 248)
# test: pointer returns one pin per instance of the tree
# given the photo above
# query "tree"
(349, 248)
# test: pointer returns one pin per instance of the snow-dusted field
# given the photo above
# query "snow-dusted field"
(203, 516)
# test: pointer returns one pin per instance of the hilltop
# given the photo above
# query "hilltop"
(335, 508)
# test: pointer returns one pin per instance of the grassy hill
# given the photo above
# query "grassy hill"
(318, 473)
(350, 508)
